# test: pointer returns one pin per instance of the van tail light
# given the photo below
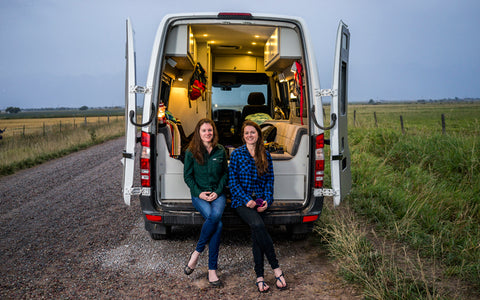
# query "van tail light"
(235, 15)
(162, 118)
(309, 218)
(319, 161)
(154, 218)
(145, 169)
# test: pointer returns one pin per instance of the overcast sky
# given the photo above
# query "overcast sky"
(69, 53)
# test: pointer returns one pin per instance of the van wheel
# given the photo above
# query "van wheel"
(299, 232)
(162, 232)
(298, 236)
(158, 236)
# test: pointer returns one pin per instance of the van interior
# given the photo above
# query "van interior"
(253, 71)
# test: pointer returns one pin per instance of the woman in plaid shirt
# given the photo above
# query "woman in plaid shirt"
(251, 179)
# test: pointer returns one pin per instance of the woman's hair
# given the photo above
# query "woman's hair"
(261, 161)
(196, 145)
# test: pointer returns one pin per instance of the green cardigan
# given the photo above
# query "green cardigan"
(212, 176)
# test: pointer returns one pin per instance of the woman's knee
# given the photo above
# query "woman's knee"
(257, 225)
(214, 219)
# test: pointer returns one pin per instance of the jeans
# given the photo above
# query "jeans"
(211, 228)
(262, 243)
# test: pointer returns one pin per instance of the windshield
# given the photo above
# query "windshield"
(235, 97)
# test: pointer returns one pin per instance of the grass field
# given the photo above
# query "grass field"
(420, 188)
(22, 127)
(418, 118)
(27, 142)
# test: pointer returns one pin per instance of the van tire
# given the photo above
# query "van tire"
(158, 236)
(299, 232)
(298, 236)
(161, 232)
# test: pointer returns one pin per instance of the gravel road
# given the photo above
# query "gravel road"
(66, 234)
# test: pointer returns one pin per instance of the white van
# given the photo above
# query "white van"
(259, 67)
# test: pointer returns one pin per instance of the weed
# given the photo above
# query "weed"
(421, 188)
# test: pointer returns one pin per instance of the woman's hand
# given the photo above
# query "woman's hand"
(208, 196)
(212, 196)
(251, 204)
(263, 207)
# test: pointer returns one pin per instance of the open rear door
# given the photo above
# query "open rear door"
(340, 153)
(128, 159)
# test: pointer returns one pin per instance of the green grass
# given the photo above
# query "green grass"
(375, 271)
(24, 151)
(421, 188)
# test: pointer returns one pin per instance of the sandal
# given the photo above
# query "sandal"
(187, 270)
(278, 279)
(216, 283)
(264, 285)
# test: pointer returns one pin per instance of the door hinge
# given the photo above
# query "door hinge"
(127, 154)
(328, 93)
(140, 89)
(337, 157)
(324, 192)
(135, 191)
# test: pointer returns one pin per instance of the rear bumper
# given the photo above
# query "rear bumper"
(187, 215)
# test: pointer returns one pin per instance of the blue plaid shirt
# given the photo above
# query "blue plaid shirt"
(244, 183)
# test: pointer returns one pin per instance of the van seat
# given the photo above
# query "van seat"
(256, 104)
(289, 136)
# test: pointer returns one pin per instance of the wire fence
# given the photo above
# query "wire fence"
(402, 124)
(29, 127)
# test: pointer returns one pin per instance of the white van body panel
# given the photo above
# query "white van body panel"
(340, 153)
(291, 175)
(129, 158)
(172, 185)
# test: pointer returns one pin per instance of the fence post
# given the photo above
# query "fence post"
(85, 121)
(60, 126)
(375, 116)
(23, 130)
(74, 125)
(443, 124)
(401, 124)
(108, 119)
(354, 118)
(43, 128)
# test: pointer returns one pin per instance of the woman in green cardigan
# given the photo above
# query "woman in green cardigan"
(206, 174)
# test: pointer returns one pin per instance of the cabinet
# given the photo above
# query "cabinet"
(235, 63)
(181, 47)
(282, 49)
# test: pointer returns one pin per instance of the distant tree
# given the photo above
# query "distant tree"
(13, 110)
(371, 101)
(83, 107)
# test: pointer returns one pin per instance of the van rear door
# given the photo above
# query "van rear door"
(340, 153)
(128, 159)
